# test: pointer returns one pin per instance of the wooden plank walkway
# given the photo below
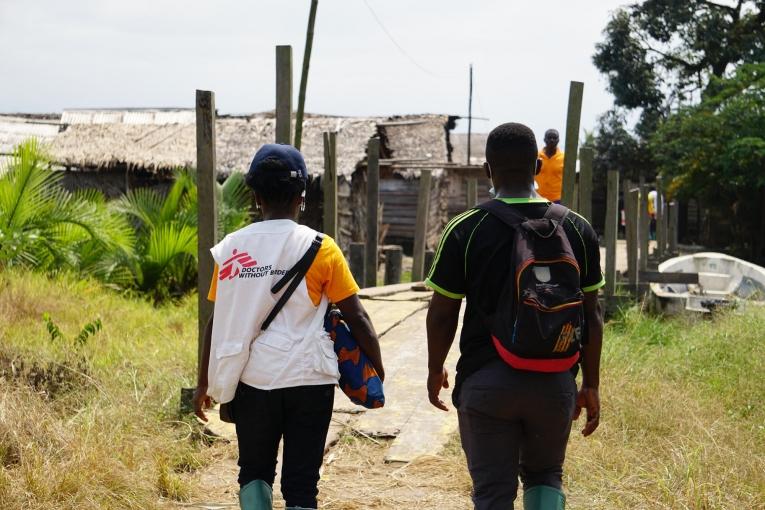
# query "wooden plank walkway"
(417, 427)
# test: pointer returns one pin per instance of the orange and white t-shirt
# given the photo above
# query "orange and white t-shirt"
(550, 177)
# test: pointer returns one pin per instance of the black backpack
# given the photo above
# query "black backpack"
(539, 317)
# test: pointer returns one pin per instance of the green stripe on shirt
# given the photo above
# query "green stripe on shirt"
(442, 291)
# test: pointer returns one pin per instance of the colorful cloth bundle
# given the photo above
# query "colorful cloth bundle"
(358, 377)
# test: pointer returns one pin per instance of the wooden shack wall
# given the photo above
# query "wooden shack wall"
(456, 192)
(399, 201)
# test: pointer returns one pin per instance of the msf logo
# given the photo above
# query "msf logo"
(233, 266)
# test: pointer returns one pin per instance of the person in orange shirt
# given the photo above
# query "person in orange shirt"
(550, 177)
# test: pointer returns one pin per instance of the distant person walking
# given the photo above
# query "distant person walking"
(550, 177)
(530, 271)
(268, 357)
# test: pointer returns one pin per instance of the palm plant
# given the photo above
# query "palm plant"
(165, 264)
(44, 226)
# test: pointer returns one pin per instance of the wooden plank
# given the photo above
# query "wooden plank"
(657, 277)
(586, 155)
(472, 192)
(573, 119)
(283, 94)
(632, 204)
(304, 74)
(421, 227)
(207, 216)
(373, 211)
(611, 230)
(329, 184)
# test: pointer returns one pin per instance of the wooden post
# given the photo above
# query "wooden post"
(421, 226)
(573, 118)
(472, 192)
(283, 128)
(611, 230)
(586, 155)
(304, 74)
(430, 256)
(394, 262)
(207, 215)
(358, 262)
(645, 227)
(661, 233)
(373, 210)
(632, 206)
(674, 219)
(329, 184)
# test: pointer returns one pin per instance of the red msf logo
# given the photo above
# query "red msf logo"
(233, 266)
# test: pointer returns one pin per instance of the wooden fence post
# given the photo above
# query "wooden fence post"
(611, 230)
(421, 226)
(645, 227)
(283, 129)
(674, 219)
(472, 192)
(394, 261)
(632, 206)
(586, 155)
(573, 119)
(207, 216)
(373, 211)
(358, 262)
(661, 232)
(329, 185)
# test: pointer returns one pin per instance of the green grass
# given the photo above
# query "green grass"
(683, 420)
(96, 425)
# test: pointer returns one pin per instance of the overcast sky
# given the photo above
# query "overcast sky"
(154, 53)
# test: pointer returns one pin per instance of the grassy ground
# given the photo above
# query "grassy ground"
(93, 425)
(96, 425)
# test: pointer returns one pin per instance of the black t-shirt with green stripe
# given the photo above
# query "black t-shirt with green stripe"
(472, 261)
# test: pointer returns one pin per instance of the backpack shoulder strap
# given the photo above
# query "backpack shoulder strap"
(293, 276)
(557, 212)
(503, 212)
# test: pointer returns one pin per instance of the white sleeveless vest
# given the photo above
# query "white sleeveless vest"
(294, 350)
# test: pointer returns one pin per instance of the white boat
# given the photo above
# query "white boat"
(723, 280)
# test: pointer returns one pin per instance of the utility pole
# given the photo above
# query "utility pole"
(304, 75)
(470, 114)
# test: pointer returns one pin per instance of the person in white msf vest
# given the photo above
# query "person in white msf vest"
(278, 380)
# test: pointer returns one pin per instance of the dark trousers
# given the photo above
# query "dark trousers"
(301, 415)
(512, 423)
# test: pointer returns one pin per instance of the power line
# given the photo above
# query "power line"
(400, 48)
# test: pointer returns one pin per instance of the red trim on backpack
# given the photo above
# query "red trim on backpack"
(534, 365)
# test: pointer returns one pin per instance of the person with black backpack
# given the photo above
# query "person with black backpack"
(530, 273)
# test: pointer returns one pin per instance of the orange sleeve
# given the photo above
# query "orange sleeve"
(329, 274)
(213, 284)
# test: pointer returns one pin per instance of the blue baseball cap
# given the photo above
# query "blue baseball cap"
(288, 155)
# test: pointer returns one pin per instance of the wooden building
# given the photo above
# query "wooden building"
(116, 150)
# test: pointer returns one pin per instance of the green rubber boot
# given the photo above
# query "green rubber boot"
(543, 497)
(256, 495)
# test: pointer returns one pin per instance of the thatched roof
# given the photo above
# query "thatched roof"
(163, 139)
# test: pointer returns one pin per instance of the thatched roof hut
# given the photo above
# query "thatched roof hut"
(159, 143)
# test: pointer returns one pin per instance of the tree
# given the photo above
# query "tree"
(662, 54)
(716, 151)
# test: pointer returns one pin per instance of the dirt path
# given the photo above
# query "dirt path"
(384, 458)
